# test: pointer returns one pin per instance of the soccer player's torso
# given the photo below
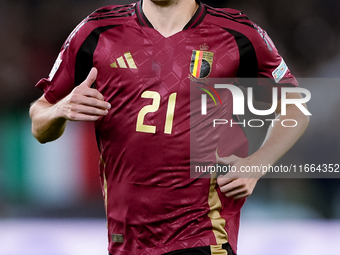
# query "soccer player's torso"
(156, 129)
(152, 203)
(148, 80)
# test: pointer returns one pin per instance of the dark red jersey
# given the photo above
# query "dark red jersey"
(153, 206)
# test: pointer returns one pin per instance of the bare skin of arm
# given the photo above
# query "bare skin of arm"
(82, 104)
(278, 141)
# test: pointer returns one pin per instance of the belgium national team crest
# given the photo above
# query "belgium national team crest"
(201, 63)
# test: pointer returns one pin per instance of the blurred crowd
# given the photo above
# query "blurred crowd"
(305, 31)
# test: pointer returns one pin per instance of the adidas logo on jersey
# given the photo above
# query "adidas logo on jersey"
(125, 61)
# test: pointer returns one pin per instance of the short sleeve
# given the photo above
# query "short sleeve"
(61, 79)
(272, 69)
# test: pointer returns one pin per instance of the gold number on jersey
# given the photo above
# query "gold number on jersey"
(170, 114)
(141, 127)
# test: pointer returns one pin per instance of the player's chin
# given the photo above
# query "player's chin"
(163, 2)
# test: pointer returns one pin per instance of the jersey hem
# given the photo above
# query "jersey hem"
(43, 85)
(192, 243)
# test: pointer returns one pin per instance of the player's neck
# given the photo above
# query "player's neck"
(169, 17)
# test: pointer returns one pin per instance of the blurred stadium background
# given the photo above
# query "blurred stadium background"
(50, 198)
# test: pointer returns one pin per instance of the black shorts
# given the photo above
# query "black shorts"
(203, 250)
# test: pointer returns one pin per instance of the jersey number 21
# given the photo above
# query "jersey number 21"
(169, 118)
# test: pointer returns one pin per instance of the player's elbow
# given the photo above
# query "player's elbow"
(45, 128)
(38, 137)
(45, 137)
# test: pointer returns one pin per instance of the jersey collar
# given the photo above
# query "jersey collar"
(194, 22)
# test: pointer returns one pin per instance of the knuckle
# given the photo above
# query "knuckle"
(76, 90)
(95, 102)
(93, 93)
(73, 109)
(74, 98)
(72, 115)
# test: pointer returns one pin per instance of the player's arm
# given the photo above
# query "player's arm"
(82, 104)
(278, 141)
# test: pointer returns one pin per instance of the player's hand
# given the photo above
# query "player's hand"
(237, 184)
(84, 103)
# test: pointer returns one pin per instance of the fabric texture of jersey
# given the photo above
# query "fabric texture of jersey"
(153, 206)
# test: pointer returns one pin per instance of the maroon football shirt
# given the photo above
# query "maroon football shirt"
(153, 206)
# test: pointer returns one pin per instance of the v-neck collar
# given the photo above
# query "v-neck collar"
(194, 21)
